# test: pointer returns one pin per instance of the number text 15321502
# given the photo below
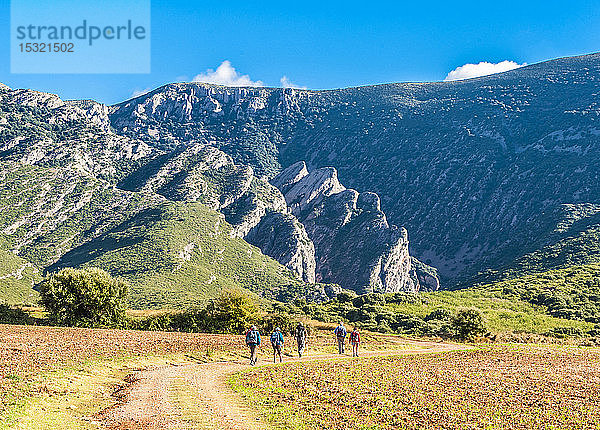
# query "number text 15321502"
(47, 47)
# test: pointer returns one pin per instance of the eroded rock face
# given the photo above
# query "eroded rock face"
(247, 211)
(256, 209)
(284, 238)
(354, 244)
(290, 176)
(311, 189)
(85, 145)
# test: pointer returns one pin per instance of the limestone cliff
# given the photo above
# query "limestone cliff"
(282, 237)
(354, 244)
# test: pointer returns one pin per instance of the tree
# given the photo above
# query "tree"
(84, 298)
(469, 324)
(283, 320)
(231, 312)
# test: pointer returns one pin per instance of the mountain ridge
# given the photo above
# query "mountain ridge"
(75, 193)
(478, 171)
(485, 126)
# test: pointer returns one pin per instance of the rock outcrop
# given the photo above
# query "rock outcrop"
(284, 238)
(256, 209)
(354, 244)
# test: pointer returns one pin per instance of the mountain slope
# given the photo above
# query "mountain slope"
(17, 278)
(60, 205)
(473, 169)
(179, 255)
(354, 244)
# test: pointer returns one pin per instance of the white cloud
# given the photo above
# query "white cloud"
(137, 93)
(286, 83)
(482, 69)
(227, 75)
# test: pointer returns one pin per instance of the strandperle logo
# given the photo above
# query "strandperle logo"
(83, 36)
(89, 33)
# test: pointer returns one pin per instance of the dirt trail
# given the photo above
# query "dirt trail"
(153, 399)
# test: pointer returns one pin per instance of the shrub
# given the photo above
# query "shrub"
(595, 331)
(439, 314)
(408, 324)
(281, 319)
(345, 296)
(10, 315)
(231, 312)
(469, 324)
(403, 297)
(84, 298)
(369, 299)
(354, 315)
(564, 332)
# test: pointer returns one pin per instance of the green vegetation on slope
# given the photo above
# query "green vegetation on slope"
(179, 255)
(558, 302)
(571, 238)
(17, 277)
(173, 254)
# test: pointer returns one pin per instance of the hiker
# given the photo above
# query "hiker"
(277, 343)
(253, 340)
(340, 333)
(300, 336)
(355, 341)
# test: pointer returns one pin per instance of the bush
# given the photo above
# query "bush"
(231, 312)
(354, 315)
(469, 324)
(439, 328)
(345, 296)
(403, 297)
(269, 322)
(595, 331)
(369, 299)
(84, 298)
(408, 324)
(10, 315)
(564, 332)
(440, 314)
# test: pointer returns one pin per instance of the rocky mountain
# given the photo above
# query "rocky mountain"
(483, 172)
(72, 194)
(170, 220)
(492, 177)
(354, 244)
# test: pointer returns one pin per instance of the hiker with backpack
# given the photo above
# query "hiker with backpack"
(340, 333)
(252, 341)
(355, 341)
(300, 335)
(277, 343)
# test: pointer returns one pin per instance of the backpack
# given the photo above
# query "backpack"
(275, 340)
(252, 337)
(340, 331)
(354, 336)
(301, 333)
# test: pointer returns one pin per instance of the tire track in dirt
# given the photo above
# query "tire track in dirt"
(149, 402)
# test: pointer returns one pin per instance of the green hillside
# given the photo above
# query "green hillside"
(174, 254)
(17, 278)
(561, 302)
(574, 241)
(179, 255)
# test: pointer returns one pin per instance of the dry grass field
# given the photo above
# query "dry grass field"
(496, 387)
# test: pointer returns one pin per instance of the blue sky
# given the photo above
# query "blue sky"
(330, 44)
